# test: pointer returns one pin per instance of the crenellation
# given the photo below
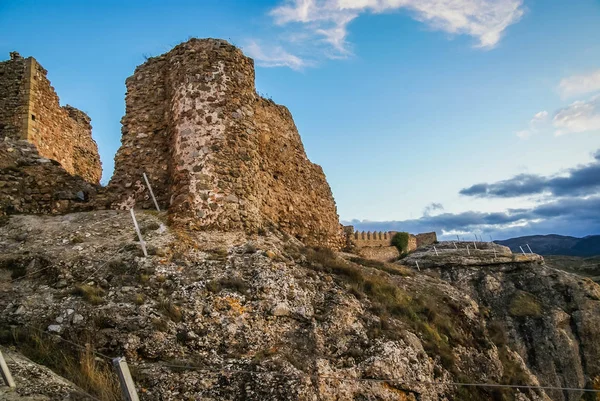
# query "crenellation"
(378, 244)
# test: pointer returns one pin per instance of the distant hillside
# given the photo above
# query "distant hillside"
(556, 245)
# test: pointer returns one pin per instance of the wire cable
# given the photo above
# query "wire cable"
(378, 380)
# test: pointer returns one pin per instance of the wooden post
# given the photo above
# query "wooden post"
(530, 251)
(151, 192)
(417, 262)
(139, 233)
(468, 253)
(455, 247)
(8, 380)
(125, 379)
(522, 249)
(475, 244)
(436, 252)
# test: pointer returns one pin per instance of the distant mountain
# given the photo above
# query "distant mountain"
(556, 245)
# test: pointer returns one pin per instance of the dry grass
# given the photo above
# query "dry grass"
(91, 294)
(428, 316)
(170, 309)
(92, 374)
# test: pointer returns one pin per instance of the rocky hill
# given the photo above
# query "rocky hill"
(557, 245)
(220, 315)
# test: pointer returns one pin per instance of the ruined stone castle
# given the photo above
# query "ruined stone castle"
(30, 110)
(378, 244)
(218, 156)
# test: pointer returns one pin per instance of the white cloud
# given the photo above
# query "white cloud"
(538, 119)
(485, 20)
(580, 84)
(580, 116)
(274, 57)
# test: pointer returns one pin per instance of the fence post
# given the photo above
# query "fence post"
(125, 379)
(151, 192)
(139, 233)
(8, 380)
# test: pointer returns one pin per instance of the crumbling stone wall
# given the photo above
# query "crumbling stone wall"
(30, 110)
(218, 155)
(424, 239)
(30, 183)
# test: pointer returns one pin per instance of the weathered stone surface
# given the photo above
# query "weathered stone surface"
(30, 183)
(37, 383)
(223, 305)
(30, 110)
(218, 155)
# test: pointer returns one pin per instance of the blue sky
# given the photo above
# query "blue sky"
(405, 104)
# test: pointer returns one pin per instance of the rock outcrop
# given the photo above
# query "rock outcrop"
(222, 316)
(545, 315)
(218, 156)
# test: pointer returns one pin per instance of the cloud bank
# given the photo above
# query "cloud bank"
(579, 181)
(572, 216)
(573, 210)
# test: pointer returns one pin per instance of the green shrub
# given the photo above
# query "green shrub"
(400, 241)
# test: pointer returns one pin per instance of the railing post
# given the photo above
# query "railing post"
(125, 379)
(8, 380)
(139, 233)
(151, 192)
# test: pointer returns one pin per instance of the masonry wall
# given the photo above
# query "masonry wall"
(30, 183)
(13, 107)
(30, 110)
(424, 239)
(218, 155)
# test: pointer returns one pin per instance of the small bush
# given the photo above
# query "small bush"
(525, 305)
(170, 309)
(235, 284)
(138, 299)
(91, 294)
(400, 241)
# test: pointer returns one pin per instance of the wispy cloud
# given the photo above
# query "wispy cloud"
(534, 124)
(580, 116)
(324, 24)
(274, 56)
(580, 84)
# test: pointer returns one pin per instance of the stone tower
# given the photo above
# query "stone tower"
(218, 155)
(30, 110)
